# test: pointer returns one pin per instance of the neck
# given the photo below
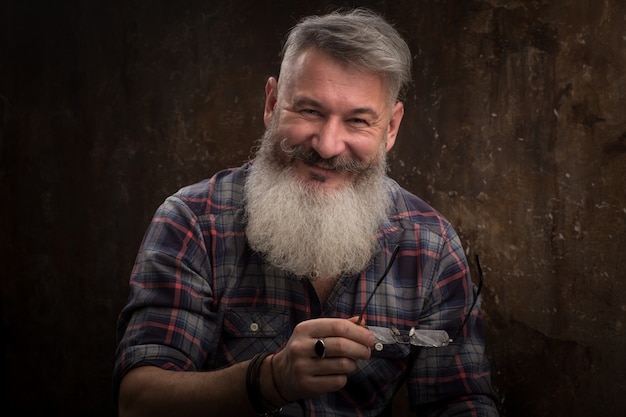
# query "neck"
(323, 287)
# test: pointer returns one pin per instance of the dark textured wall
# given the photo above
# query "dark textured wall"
(515, 129)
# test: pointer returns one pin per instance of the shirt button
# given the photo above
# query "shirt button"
(254, 327)
(378, 346)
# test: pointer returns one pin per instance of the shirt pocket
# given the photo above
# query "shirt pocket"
(250, 331)
(382, 374)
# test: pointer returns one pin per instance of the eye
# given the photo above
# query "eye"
(310, 112)
(358, 121)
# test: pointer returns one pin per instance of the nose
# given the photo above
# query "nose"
(329, 140)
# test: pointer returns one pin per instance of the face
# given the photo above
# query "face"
(321, 164)
(338, 116)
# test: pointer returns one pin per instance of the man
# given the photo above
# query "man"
(249, 295)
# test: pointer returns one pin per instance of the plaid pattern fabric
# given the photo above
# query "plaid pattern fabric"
(201, 299)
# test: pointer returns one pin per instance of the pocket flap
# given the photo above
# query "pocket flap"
(255, 322)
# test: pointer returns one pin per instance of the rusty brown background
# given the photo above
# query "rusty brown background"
(515, 129)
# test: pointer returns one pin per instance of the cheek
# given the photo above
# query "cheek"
(367, 150)
(296, 134)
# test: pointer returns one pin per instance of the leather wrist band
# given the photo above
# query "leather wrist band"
(253, 386)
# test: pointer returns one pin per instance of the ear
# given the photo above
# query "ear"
(271, 96)
(394, 124)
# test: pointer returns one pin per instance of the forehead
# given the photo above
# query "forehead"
(316, 75)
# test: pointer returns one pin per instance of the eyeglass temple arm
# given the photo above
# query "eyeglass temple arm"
(380, 280)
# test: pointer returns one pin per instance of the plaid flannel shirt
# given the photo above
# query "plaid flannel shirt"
(201, 299)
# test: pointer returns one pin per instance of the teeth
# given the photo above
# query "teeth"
(324, 166)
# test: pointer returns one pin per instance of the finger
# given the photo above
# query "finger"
(344, 328)
(328, 383)
(300, 377)
(332, 366)
(339, 347)
(319, 384)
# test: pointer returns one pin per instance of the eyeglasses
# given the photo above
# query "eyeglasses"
(417, 337)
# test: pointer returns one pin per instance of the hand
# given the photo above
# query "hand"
(299, 373)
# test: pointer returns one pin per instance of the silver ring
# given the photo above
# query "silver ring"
(320, 349)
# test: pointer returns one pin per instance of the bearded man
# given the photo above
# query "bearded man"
(256, 292)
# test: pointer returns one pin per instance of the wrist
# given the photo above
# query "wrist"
(256, 386)
(271, 388)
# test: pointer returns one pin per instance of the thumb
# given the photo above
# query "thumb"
(355, 320)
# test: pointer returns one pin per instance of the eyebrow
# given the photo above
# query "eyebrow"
(309, 102)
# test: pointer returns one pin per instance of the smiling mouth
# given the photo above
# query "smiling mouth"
(318, 171)
(312, 159)
(321, 165)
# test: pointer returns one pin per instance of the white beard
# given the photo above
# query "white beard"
(306, 230)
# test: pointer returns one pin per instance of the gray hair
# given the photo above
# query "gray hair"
(360, 39)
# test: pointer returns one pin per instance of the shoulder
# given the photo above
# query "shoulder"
(412, 215)
(223, 191)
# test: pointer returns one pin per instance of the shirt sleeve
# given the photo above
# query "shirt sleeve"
(168, 310)
(453, 380)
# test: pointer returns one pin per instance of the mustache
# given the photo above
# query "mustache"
(336, 163)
